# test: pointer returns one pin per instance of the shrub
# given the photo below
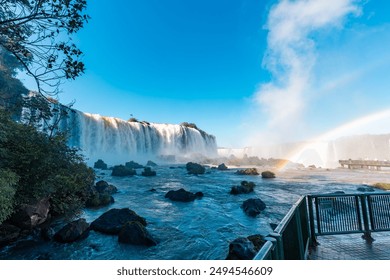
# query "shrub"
(8, 182)
(46, 167)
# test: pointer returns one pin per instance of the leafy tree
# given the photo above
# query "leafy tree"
(8, 181)
(38, 34)
(45, 166)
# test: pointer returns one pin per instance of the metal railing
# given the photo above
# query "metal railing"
(325, 214)
(290, 239)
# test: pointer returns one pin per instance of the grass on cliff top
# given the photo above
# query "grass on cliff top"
(383, 186)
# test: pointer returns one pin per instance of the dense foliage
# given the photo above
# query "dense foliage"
(44, 166)
(38, 34)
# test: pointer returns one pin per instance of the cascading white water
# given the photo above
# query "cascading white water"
(116, 141)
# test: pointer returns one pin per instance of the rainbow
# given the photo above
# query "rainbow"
(339, 131)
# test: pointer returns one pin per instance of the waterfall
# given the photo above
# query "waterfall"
(117, 141)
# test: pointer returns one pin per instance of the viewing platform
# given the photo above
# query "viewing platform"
(365, 164)
(332, 226)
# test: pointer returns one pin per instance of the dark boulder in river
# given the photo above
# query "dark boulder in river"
(122, 171)
(267, 175)
(133, 164)
(135, 233)
(195, 168)
(100, 164)
(183, 195)
(248, 171)
(113, 220)
(222, 167)
(253, 206)
(151, 163)
(245, 187)
(148, 172)
(73, 231)
(245, 248)
(105, 188)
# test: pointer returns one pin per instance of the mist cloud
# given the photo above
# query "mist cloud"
(291, 56)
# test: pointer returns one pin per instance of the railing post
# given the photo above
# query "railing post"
(278, 251)
(313, 239)
(367, 233)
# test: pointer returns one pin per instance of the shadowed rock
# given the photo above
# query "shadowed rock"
(222, 167)
(122, 171)
(248, 171)
(183, 195)
(245, 187)
(135, 233)
(133, 164)
(253, 206)
(100, 164)
(267, 175)
(148, 172)
(113, 220)
(73, 231)
(195, 168)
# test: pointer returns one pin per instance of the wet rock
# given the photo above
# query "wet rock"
(113, 220)
(100, 164)
(28, 216)
(47, 233)
(8, 234)
(195, 168)
(135, 233)
(122, 171)
(248, 171)
(245, 187)
(183, 195)
(133, 165)
(105, 188)
(267, 175)
(365, 189)
(241, 249)
(151, 163)
(73, 231)
(148, 172)
(253, 206)
(222, 167)
(257, 240)
(99, 200)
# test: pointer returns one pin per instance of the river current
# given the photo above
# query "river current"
(201, 229)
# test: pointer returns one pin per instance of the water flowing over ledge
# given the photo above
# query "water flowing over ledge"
(116, 140)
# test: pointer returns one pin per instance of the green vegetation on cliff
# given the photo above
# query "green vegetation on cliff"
(34, 165)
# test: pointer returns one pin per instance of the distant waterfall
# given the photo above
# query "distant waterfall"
(116, 141)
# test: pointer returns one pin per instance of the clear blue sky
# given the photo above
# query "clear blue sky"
(206, 61)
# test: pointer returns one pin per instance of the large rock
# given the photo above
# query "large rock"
(222, 167)
(151, 163)
(99, 200)
(28, 216)
(8, 233)
(135, 233)
(73, 231)
(248, 171)
(253, 206)
(113, 220)
(245, 248)
(267, 174)
(100, 164)
(241, 249)
(133, 164)
(195, 168)
(122, 171)
(245, 187)
(183, 195)
(148, 172)
(105, 188)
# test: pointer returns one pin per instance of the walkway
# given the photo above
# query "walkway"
(352, 247)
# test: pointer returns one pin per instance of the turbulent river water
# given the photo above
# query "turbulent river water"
(196, 230)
